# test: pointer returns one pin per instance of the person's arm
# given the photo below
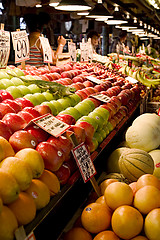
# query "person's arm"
(61, 43)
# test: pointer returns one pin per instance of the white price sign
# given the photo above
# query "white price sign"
(4, 48)
(31, 236)
(84, 162)
(102, 97)
(94, 79)
(47, 51)
(20, 45)
(84, 52)
(51, 124)
(131, 80)
(72, 51)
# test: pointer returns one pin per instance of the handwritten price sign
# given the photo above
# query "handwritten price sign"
(84, 52)
(102, 97)
(72, 51)
(4, 48)
(47, 51)
(20, 45)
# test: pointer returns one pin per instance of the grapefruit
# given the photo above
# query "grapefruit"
(105, 183)
(7, 148)
(77, 233)
(148, 179)
(152, 224)
(106, 235)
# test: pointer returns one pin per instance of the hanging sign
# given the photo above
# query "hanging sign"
(84, 162)
(4, 48)
(84, 52)
(47, 51)
(20, 45)
(72, 51)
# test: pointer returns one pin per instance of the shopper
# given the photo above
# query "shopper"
(35, 24)
(118, 44)
(94, 36)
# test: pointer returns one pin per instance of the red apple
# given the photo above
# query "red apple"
(116, 100)
(88, 83)
(22, 139)
(75, 85)
(5, 108)
(13, 104)
(67, 74)
(23, 102)
(96, 102)
(89, 129)
(43, 109)
(66, 118)
(63, 173)
(113, 122)
(53, 157)
(32, 111)
(79, 133)
(99, 88)
(14, 121)
(26, 116)
(81, 94)
(77, 79)
(5, 131)
(45, 78)
(38, 133)
(5, 95)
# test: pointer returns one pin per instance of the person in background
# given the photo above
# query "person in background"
(118, 43)
(35, 24)
(94, 40)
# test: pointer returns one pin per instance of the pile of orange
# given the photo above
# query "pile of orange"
(123, 212)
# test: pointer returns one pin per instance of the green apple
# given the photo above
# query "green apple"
(106, 129)
(34, 88)
(14, 91)
(95, 144)
(51, 106)
(73, 112)
(84, 108)
(16, 81)
(90, 120)
(32, 98)
(103, 133)
(2, 86)
(98, 118)
(98, 136)
(18, 72)
(40, 97)
(57, 105)
(64, 102)
(7, 83)
(90, 103)
(48, 96)
(24, 89)
(71, 100)
(76, 98)
(103, 112)
(109, 125)
(4, 75)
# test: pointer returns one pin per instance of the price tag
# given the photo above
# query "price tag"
(20, 45)
(131, 80)
(84, 52)
(94, 79)
(4, 48)
(31, 236)
(90, 52)
(51, 124)
(84, 162)
(47, 51)
(102, 97)
(72, 51)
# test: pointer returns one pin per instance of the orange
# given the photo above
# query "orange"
(148, 179)
(106, 235)
(51, 180)
(95, 218)
(39, 192)
(139, 238)
(77, 233)
(23, 208)
(1, 205)
(118, 194)
(127, 222)
(133, 185)
(152, 225)
(8, 224)
(146, 199)
(7, 148)
(102, 201)
(105, 183)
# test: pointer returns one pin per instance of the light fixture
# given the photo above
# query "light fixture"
(129, 25)
(38, 5)
(53, 3)
(101, 19)
(128, 16)
(141, 23)
(144, 38)
(73, 5)
(149, 27)
(99, 11)
(145, 25)
(135, 20)
(83, 13)
(117, 18)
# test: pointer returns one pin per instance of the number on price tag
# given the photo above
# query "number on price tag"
(47, 51)
(51, 124)
(84, 162)
(20, 45)
(72, 51)
(102, 97)
(94, 79)
(84, 52)
(4, 48)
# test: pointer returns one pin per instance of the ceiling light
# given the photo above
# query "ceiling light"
(149, 27)
(141, 23)
(53, 3)
(128, 16)
(101, 19)
(129, 25)
(38, 5)
(135, 20)
(144, 38)
(73, 5)
(145, 25)
(99, 11)
(82, 13)
(118, 18)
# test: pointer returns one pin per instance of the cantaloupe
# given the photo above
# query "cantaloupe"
(135, 162)
(155, 154)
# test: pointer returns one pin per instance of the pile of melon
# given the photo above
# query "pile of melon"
(141, 154)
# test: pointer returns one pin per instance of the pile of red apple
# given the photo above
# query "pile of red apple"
(15, 114)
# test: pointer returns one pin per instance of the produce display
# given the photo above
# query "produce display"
(34, 165)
